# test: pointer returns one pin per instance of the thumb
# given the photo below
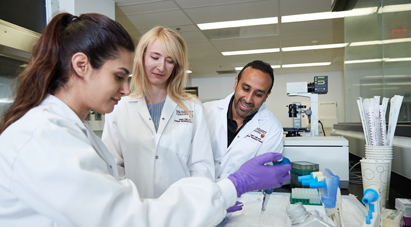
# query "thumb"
(268, 157)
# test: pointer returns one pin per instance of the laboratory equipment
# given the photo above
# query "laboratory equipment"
(391, 218)
(329, 152)
(327, 182)
(372, 199)
(301, 168)
(268, 192)
(300, 217)
(310, 90)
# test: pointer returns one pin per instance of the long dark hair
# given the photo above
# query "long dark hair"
(95, 35)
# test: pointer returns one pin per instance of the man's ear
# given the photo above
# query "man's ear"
(235, 83)
(80, 63)
(265, 99)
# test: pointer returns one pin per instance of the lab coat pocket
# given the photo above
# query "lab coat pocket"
(182, 136)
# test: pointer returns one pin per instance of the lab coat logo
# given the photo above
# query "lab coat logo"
(182, 116)
(258, 135)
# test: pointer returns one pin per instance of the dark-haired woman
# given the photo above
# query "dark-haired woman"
(55, 172)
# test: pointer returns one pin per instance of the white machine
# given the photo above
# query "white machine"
(329, 152)
(310, 90)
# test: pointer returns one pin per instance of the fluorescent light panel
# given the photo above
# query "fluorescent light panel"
(314, 47)
(395, 8)
(311, 16)
(238, 23)
(256, 51)
(363, 61)
(306, 64)
(377, 60)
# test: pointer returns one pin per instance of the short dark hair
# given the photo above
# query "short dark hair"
(263, 67)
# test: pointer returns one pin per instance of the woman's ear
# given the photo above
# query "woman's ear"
(81, 64)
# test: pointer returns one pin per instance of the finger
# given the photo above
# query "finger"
(238, 203)
(268, 157)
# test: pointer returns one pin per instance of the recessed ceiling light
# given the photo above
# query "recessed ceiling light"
(314, 47)
(377, 60)
(306, 64)
(396, 59)
(311, 16)
(256, 51)
(361, 11)
(238, 23)
(366, 43)
(189, 71)
(395, 8)
(363, 61)
(272, 66)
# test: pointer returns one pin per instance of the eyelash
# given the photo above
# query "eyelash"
(171, 62)
(247, 89)
(119, 78)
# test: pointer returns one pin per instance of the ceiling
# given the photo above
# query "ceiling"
(205, 46)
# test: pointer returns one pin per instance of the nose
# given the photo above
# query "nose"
(124, 89)
(249, 97)
(161, 65)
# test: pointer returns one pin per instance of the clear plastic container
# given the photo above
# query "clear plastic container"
(403, 205)
(300, 217)
(391, 218)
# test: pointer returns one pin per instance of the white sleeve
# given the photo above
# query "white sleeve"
(59, 175)
(201, 160)
(111, 139)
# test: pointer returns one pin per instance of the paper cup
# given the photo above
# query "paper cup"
(380, 153)
(377, 173)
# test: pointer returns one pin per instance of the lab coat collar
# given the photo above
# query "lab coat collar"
(168, 110)
(61, 108)
(254, 123)
(166, 114)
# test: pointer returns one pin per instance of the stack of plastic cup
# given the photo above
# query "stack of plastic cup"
(380, 154)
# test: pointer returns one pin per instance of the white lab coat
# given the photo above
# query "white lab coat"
(155, 160)
(54, 171)
(262, 134)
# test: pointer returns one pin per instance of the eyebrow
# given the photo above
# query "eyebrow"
(259, 90)
(125, 70)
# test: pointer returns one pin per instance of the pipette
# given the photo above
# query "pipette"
(268, 192)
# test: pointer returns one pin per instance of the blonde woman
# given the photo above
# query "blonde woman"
(158, 134)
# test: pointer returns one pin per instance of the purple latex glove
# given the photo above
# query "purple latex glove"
(254, 175)
(238, 206)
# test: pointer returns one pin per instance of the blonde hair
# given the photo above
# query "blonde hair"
(176, 48)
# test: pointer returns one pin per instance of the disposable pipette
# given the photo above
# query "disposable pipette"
(267, 193)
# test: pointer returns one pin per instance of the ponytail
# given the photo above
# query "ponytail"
(32, 83)
(99, 37)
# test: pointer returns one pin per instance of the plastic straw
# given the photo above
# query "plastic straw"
(395, 107)
(363, 120)
(383, 110)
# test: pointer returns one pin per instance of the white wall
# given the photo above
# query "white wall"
(105, 7)
(77, 7)
(219, 87)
